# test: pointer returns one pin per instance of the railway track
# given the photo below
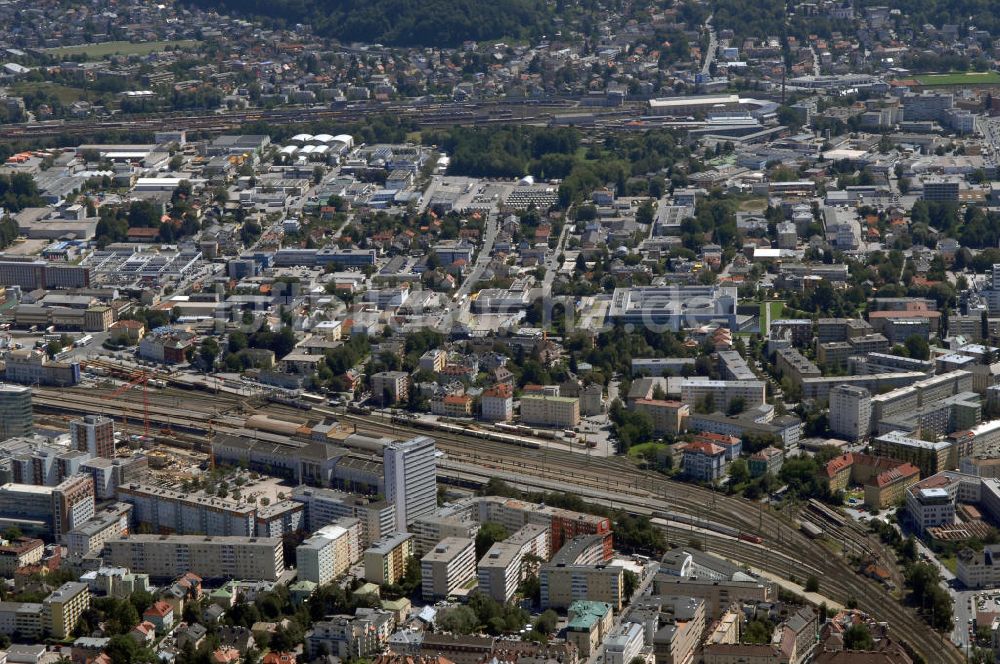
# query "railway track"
(440, 114)
(646, 492)
(612, 479)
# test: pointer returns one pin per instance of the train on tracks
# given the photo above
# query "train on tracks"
(461, 430)
(705, 524)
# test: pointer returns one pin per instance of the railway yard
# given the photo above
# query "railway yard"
(430, 115)
(750, 533)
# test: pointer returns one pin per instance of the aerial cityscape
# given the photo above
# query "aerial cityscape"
(510, 332)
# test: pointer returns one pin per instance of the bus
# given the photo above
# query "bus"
(84, 340)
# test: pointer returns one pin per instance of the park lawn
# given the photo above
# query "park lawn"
(642, 449)
(102, 49)
(960, 78)
(64, 93)
(754, 204)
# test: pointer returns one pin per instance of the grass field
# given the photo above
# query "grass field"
(960, 78)
(643, 449)
(755, 204)
(121, 48)
(776, 307)
(66, 94)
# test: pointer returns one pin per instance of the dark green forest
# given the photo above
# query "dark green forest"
(405, 22)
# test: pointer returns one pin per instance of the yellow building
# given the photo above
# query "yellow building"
(385, 561)
(550, 411)
(564, 584)
(669, 417)
(98, 319)
(929, 457)
(64, 607)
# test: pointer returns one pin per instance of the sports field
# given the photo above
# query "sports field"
(960, 78)
(102, 49)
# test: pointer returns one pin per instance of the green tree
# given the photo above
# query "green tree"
(489, 533)
(458, 620)
(917, 347)
(758, 631)
(739, 472)
(209, 351)
(857, 637)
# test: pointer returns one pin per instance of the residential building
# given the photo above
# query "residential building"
(330, 552)
(562, 525)
(168, 556)
(850, 412)
(550, 411)
(385, 561)
(672, 625)
(564, 584)
(389, 387)
(452, 405)
(108, 524)
(884, 480)
(766, 461)
(786, 428)
(669, 417)
(64, 606)
(704, 461)
(16, 417)
(979, 569)
(25, 619)
(793, 364)
(929, 457)
(448, 568)
(499, 571)
(18, 553)
(410, 470)
(589, 623)
(497, 403)
(699, 392)
(431, 528)
(165, 510)
(325, 506)
(94, 434)
(351, 637)
(623, 644)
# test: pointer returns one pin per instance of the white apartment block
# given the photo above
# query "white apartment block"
(624, 644)
(449, 567)
(722, 393)
(979, 569)
(850, 411)
(500, 570)
(410, 469)
(330, 552)
(498, 403)
(930, 507)
(107, 525)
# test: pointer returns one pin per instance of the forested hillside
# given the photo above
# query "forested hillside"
(404, 22)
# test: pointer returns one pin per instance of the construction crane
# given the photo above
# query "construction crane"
(134, 380)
